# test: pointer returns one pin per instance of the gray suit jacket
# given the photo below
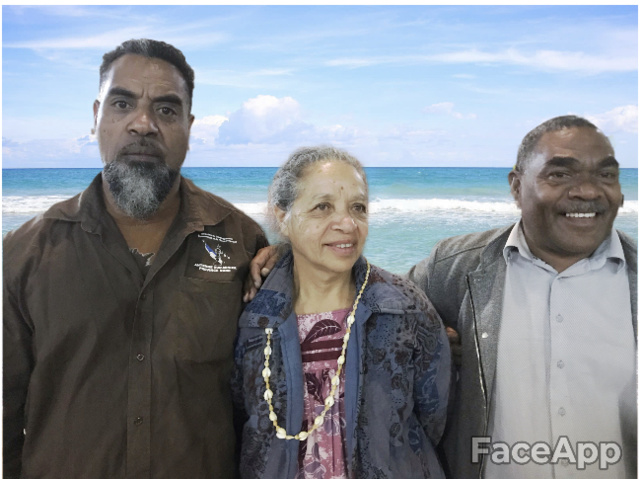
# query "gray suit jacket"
(464, 279)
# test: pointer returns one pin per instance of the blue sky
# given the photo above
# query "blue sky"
(396, 86)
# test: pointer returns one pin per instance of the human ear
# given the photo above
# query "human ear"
(96, 108)
(190, 121)
(514, 185)
(280, 216)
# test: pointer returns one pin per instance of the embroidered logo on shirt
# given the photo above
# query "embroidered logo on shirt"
(215, 251)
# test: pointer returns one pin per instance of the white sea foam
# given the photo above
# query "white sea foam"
(399, 205)
(255, 210)
(25, 205)
(630, 207)
(467, 206)
(389, 206)
(29, 205)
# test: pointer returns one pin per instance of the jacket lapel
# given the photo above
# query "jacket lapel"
(353, 379)
(486, 287)
(631, 273)
(631, 260)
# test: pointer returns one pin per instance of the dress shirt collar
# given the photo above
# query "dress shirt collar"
(611, 248)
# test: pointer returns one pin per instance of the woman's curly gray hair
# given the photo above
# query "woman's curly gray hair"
(284, 188)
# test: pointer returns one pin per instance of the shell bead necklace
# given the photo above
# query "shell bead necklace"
(330, 400)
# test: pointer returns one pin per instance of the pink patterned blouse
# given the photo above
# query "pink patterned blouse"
(321, 335)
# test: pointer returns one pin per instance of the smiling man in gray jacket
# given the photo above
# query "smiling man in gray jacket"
(546, 313)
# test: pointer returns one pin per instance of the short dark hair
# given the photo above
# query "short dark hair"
(150, 49)
(532, 138)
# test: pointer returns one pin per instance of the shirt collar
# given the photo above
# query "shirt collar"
(196, 206)
(516, 243)
(611, 248)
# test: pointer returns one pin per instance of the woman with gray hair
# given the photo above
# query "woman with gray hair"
(341, 368)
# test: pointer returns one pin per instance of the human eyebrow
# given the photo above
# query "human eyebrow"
(118, 91)
(608, 162)
(170, 98)
(562, 161)
(322, 197)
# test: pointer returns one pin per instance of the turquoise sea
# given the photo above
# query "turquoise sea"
(410, 208)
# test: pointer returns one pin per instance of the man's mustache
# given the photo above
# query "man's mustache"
(142, 147)
(589, 206)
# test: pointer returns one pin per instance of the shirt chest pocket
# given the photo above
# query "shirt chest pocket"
(204, 324)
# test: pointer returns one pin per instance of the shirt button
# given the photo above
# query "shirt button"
(485, 335)
(140, 356)
(143, 295)
(562, 411)
(138, 421)
(560, 364)
(559, 318)
(564, 462)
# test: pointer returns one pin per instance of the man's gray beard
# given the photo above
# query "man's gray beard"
(139, 187)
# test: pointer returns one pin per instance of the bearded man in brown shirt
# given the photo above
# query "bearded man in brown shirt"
(121, 303)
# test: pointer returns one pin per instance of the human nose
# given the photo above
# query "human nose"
(345, 222)
(585, 188)
(143, 123)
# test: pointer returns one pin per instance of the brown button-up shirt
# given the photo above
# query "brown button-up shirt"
(110, 373)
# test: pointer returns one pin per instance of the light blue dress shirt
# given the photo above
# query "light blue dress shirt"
(566, 363)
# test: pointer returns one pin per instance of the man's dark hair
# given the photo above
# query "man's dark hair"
(532, 138)
(150, 49)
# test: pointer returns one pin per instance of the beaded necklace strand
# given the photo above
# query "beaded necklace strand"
(330, 400)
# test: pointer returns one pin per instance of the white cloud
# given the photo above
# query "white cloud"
(360, 62)
(266, 120)
(258, 80)
(112, 38)
(448, 108)
(206, 130)
(75, 152)
(549, 60)
(105, 40)
(82, 144)
(63, 11)
(273, 72)
(573, 61)
(619, 119)
(337, 134)
(199, 33)
(25, 128)
(263, 119)
(8, 142)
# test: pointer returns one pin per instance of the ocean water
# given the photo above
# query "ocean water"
(410, 208)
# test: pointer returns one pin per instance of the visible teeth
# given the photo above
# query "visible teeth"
(345, 245)
(580, 215)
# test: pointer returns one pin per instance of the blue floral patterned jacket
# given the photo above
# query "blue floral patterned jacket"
(396, 385)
